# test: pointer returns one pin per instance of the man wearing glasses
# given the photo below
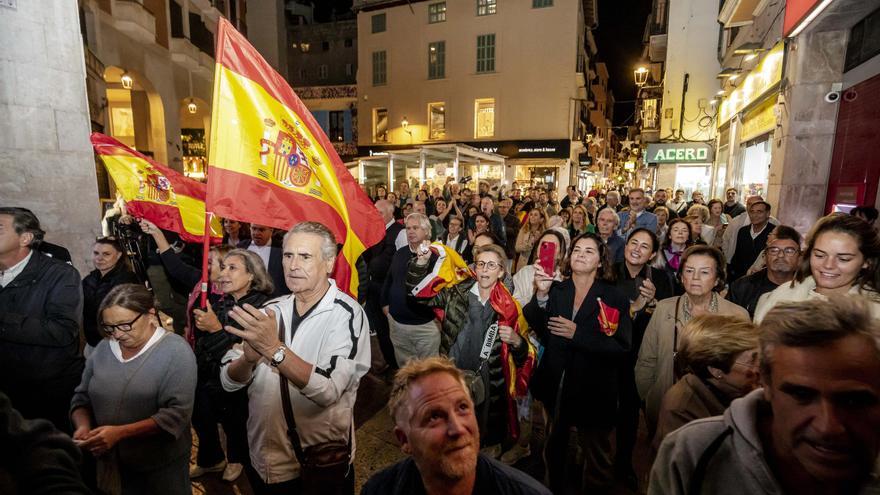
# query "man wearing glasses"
(40, 314)
(782, 257)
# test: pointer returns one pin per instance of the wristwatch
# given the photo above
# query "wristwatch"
(278, 357)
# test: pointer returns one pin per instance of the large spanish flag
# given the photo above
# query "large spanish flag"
(153, 191)
(271, 164)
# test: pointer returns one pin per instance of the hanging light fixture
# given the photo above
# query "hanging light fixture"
(192, 107)
(126, 80)
(641, 76)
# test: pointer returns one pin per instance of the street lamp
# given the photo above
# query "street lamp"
(641, 76)
(126, 80)
(192, 107)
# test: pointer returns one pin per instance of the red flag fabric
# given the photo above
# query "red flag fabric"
(270, 163)
(153, 191)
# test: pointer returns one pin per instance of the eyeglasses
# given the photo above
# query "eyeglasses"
(122, 327)
(489, 265)
(789, 251)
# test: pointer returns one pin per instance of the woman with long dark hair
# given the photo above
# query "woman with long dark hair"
(584, 324)
(842, 257)
(111, 269)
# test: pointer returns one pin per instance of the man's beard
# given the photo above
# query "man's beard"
(460, 466)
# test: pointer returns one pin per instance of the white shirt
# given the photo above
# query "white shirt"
(264, 251)
(117, 350)
(9, 274)
(400, 241)
(756, 234)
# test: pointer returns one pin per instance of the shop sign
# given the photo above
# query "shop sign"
(764, 76)
(759, 121)
(679, 153)
(545, 148)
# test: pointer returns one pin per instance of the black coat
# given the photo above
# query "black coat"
(275, 268)
(747, 250)
(95, 288)
(590, 360)
(40, 317)
(747, 290)
(380, 255)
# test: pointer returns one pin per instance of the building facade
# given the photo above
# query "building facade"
(677, 105)
(322, 69)
(506, 78)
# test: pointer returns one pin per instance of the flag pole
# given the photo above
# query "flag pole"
(206, 248)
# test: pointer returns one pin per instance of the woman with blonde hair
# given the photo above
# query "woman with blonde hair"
(580, 222)
(536, 224)
(717, 362)
(701, 232)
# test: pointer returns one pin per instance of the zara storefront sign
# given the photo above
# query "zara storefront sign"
(679, 153)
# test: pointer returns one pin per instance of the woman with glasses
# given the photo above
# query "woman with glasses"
(243, 280)
(583, 322)
(132, 408)
(701, 274)
(717, 362)
(842, 257)
(472, 307)
(111, 269)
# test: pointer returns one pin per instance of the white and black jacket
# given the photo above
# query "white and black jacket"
(335, 337)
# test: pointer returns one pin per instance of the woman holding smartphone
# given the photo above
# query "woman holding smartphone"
(584, 324)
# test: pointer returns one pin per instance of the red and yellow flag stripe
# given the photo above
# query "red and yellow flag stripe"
(271, 164)
(153, 191)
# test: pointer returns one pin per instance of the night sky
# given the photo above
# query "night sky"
(619, 38)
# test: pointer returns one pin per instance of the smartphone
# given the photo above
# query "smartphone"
(547, 257)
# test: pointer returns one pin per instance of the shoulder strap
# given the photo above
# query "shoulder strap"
(696, 483)
(286, 405)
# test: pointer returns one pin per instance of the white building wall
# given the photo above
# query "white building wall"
(46, 161)
(692, 49)
(533, 83)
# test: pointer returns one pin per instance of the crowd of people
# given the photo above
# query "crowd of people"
(582, 315)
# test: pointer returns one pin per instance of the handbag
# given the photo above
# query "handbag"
(474, 379)
(323, 467)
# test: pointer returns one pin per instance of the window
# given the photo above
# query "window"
(437, 12)
(380, 125)
(349, 69)
(486, 53)
(485, 7)
(436, 120)
(380, 74)
(437, 60)
(337, 126)
(176, 20)
(348, 43)
(537, 4)
(323, 71)
(325, 45)
(302, 74)
(378, 21)
(484, 121)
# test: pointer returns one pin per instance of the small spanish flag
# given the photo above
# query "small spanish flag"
(608, 318)
(448, 270)
(155, 192)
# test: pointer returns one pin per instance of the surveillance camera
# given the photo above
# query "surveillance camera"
(832, 96)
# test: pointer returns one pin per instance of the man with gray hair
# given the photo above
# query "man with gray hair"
(41, 303)
(813, 428)
(414, 332)
(301, 391)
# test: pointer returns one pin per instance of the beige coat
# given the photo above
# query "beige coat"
(654, 373)
(805, 291)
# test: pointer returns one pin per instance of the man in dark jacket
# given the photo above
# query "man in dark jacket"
(379, 264)
(435, 425)
(732, 207)
(750, 240)
(40, 317)
(782, 256)
(261, 243)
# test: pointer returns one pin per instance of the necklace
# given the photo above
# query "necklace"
(713, 306)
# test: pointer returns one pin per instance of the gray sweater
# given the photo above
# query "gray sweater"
(161, 384)
(733, 466)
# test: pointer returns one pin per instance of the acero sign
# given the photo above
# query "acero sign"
(679, 153)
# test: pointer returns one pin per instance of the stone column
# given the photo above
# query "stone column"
(46, 159)
(802, 147)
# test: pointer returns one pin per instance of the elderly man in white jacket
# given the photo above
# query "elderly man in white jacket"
(322, 351)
